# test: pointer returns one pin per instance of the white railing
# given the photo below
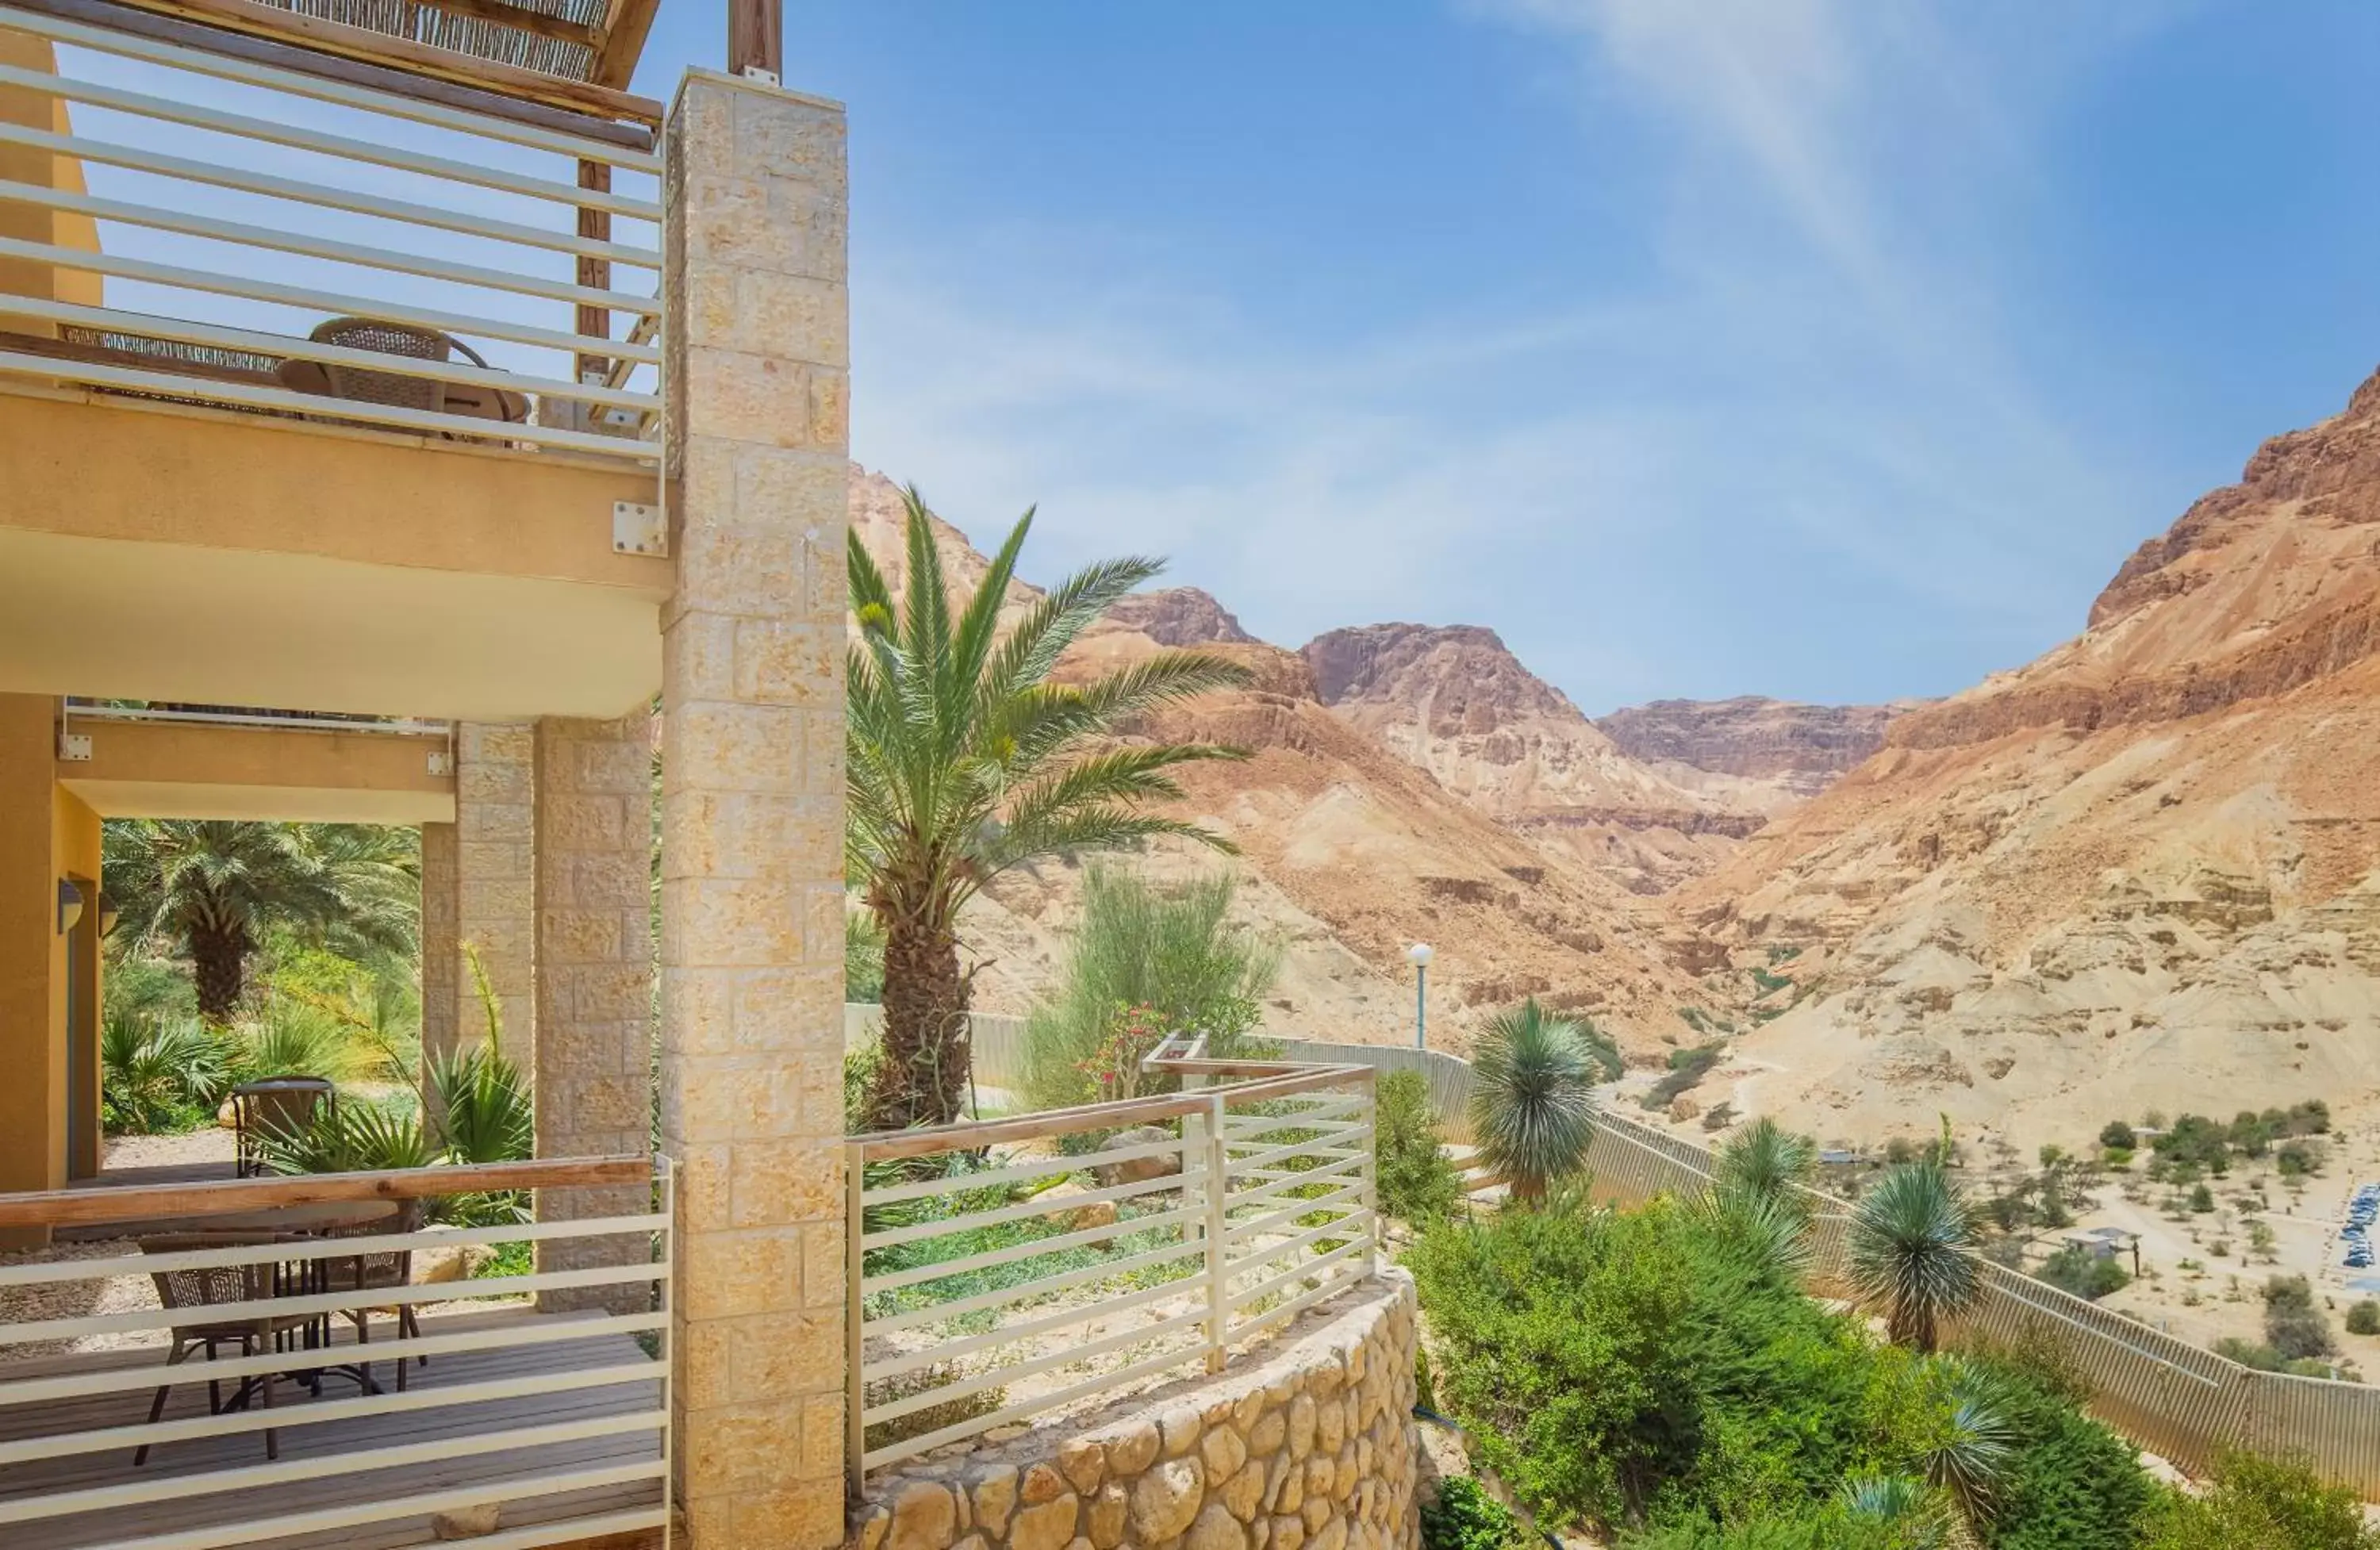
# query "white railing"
(981, 1295)
(250, 219)
(360, 1399)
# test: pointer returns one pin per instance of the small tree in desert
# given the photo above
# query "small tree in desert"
(964, 759)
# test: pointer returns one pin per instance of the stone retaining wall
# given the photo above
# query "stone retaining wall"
(1309, 1445)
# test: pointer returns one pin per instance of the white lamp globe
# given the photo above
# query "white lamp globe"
(1419, 955)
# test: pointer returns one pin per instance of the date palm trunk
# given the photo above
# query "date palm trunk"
(218, 963)
(923, 1077)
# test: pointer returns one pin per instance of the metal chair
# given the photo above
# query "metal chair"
(221, 1286)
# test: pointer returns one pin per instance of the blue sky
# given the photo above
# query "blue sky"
(1818, 349)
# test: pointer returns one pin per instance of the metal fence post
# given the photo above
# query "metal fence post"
(1218, 1281)
(1369, 1090)
(854, 1393)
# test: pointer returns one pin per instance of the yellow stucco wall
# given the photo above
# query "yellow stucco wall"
(74, 841)
(22, 164)
(44, 832)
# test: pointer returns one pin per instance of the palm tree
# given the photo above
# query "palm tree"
(964, 759)
(213, 887)
(1911, 1252)
(1969, 1456)
(1767, 1160)
(1532, 1098)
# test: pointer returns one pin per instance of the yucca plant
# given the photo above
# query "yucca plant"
(1912, 1243)
(1531, 1098)
(1767, 1160)
(1969, 1456)
(1912, 1510)
(962, 760)
(293, 1039)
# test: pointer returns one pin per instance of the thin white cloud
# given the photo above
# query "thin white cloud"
(1823, 373)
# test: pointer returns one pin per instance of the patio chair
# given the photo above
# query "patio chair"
(388, 1269)
(220, 1286)
(278, 1104)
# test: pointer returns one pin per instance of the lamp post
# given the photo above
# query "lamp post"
(1419, 955)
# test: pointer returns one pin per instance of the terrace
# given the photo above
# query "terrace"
(533, 1407)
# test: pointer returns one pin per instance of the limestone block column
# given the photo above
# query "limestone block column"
(441, 942)
(594, 980)
(495, 886)
(756, 324)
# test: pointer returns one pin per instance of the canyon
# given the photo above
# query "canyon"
(2137, 873)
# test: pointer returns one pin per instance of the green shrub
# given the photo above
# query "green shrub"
(2118, 1134)
(160, 1075)
(2364, 1319)
(1626, 1367)
(1464, 1517)
(1821, 1526)
(2296, 1159)
(2260, 1504)
(1173, 951)
(1417, 1182)
(1687, 1067)
(2083, 1273)
(2072, 1484)
(350, 1137)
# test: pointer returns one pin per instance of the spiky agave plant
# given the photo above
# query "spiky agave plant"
(1911, 1241)
(1531, 1098)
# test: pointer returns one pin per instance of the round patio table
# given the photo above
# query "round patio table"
(305, 1276)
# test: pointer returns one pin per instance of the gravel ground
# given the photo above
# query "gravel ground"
(211, 1145)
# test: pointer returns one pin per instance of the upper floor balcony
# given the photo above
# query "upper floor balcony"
(330, 357)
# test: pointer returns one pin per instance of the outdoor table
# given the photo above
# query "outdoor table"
(303, 1278)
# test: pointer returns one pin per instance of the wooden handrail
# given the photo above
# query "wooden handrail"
(149, 1202)
(1286, 1079)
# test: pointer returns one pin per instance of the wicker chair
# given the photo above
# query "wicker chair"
(392, 339)
(277, 1104)
(218, 1286)
(386, 1270)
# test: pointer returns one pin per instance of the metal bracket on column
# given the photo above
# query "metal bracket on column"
(638, 528)
(765, 76)
(74, 748)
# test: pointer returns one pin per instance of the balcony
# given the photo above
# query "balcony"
(533, 1423)
(330, 386)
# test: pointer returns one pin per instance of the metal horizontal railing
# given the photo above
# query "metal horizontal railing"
(237, 235)
(79, 710)
(272, 1367)
(1080, 1257)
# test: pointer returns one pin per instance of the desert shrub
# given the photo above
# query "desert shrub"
(160, 1075)
(2071, 1483)
(2296, 1159)
(932, 1418)
(2293, 1326)
(1648, 1365)
(1464, 1517)
(1417, 1182)
(1827, 1526)
(2083, 1274)
(2364, 1319)
(1172, 951)
(1687, 1067)
(2116, 1133)
(2195, 1140)
(2260, 1504)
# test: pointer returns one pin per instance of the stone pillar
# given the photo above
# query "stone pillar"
(495, 886)
(756, 324)
(442, 943)
(594, 981)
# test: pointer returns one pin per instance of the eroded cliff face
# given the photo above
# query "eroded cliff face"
(1455, 702)
(1775, 753)
(2135, 873)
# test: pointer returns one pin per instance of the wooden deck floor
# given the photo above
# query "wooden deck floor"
(194, 1505)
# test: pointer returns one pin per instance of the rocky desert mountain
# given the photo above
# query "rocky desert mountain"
(1456, 702)
(1350, 852)
(2137, 873)
(1766, 755)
